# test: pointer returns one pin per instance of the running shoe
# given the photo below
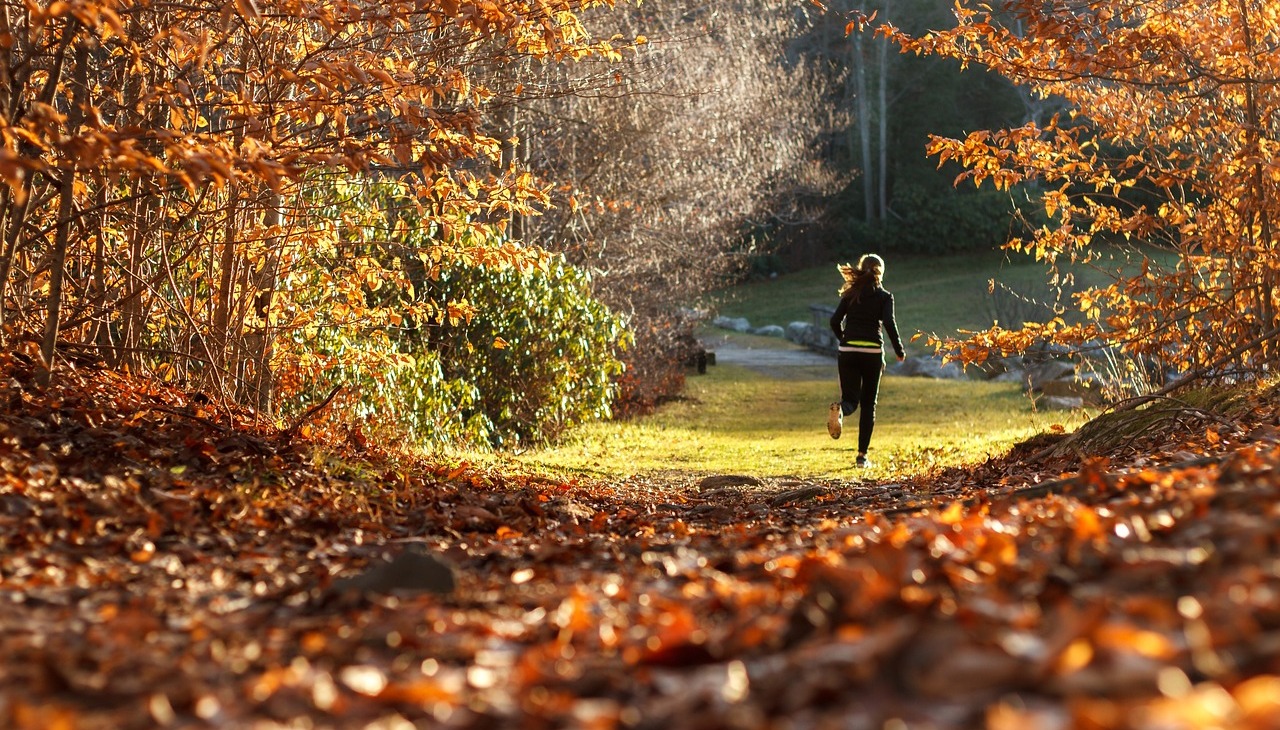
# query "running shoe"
(835, 418)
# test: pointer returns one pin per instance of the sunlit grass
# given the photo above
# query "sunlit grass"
(735, 420)
(741, 422)
(932, 294)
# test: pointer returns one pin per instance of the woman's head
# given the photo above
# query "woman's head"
(868, 274)
(873, 265)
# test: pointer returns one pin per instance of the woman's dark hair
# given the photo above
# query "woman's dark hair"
(868, 275)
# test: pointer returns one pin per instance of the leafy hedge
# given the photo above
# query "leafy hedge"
(539, 355)
(463, 338)
(541, 352)
(940, 223)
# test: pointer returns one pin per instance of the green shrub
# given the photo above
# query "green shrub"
(952, 222)
(541, 352)
(540, 355)
(932, 223)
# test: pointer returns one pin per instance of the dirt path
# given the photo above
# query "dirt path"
(775, 360)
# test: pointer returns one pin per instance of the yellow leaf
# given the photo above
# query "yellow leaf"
(953, 515)
(248, 9)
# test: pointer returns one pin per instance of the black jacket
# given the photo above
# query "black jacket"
(858, 323)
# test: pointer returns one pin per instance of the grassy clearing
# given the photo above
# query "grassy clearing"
(933, 295)
(738, 421)
(735, 420)
(938, 295)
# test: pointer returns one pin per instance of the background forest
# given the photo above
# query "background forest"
(484, 222)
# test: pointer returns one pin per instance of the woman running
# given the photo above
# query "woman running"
(864, 307)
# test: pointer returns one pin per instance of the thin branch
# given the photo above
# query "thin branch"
(292, 430)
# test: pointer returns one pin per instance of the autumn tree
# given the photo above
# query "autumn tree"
(160, 162)
(1167, 156)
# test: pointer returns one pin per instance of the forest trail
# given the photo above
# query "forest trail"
(165, 563)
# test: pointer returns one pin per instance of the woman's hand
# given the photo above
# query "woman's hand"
(902, 358)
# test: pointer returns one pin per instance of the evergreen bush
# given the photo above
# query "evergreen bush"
(466, 348)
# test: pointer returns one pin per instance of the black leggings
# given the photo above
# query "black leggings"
(859, 385)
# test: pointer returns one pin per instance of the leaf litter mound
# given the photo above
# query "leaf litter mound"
(169, 563)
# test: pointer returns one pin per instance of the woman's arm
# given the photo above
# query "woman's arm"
(837, 319)
(891, 326)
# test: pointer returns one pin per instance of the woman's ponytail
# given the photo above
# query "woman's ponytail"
(868, 275)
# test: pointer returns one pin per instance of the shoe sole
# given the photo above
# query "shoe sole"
(833, 421)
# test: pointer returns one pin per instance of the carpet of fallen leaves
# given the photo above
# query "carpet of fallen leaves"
(166, 563)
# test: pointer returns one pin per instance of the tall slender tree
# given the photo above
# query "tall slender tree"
(890, 102)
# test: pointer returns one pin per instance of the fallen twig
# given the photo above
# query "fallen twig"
(292, 430)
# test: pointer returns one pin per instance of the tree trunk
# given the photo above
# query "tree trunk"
(515, 220)
(132, 319)
(100, 333)
(224, 343)
(883, 61)
(9, 206)
(1257, 208)
(14, 220)
(862, 108)
(220, 329)
(16, 217)
(66, 207)
(260, 339)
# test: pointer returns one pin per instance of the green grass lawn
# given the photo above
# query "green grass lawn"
(737, 421)
(934, 295)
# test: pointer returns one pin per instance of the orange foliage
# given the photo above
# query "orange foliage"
(169, 148)
(1168, 153)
